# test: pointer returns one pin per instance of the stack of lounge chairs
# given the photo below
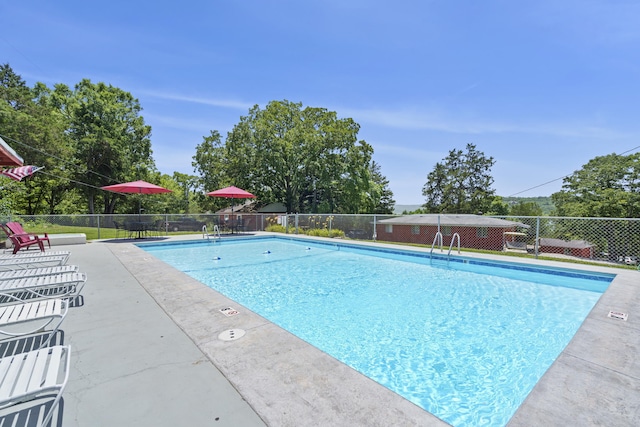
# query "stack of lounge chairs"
(36, 291)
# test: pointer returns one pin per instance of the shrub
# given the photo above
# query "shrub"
(276, 228)
(324, 232)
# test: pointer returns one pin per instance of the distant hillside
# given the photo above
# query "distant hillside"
(401, 208)
(545, 203)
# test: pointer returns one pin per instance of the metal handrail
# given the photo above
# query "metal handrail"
(437, 237)
(453, 239)
(216, 232)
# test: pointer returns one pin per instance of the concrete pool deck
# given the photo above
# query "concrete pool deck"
(146, 352)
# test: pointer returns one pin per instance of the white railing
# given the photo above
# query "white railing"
(453, 239)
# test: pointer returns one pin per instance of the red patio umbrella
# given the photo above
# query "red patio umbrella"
(232, 193)
(140, 187)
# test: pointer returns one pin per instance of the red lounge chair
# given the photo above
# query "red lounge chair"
(22, 240)
(16, 228)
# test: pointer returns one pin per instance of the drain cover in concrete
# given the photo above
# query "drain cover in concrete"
(231, 334)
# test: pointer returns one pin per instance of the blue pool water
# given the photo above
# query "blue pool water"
(465, 340)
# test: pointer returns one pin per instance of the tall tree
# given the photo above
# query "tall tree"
(34, 123)
(461, 183)
(112, 142)
(209, 163)
(308, 159)
(381, 196)
(606, 187)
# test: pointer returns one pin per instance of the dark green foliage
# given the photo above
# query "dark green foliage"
(460, 184)
(545, 204)
(306, 158)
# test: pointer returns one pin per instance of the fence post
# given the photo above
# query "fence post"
(98, 226)
(296, 222)
(166, 224)
(375, 235)
(535, 245)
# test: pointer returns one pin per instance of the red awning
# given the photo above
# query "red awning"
(8, 157)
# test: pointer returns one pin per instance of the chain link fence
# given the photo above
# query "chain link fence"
(609, 240)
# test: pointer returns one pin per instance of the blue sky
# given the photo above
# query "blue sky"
(542, 87)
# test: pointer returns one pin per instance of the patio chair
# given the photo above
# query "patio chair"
(242, 225)
(66, 285)
(516, 246)
(120, 228)
(160, 228)
(36, 272)
(16, 228)
(24, 318)
(27, 378)
(21, 241)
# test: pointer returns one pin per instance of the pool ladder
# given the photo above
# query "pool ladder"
(216, 232)
(453, 239)
(438, 239)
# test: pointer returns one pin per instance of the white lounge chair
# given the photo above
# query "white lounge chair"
(35, 262)
(26, 343)
(34, 254)
(518, 246)
(35, 272)
(32, 376)
(25, 318)
(66, 285)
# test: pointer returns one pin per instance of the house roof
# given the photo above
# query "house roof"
(273, 208)
(245, 207)
(8, 157)
(559, 243)
(452, 220)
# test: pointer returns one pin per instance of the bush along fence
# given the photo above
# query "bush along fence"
(611, 240)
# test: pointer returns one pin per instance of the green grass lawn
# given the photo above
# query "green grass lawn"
(90, 232)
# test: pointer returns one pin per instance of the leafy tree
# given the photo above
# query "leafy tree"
(308, 159)
(186, 184)
(607, 187)
(28, 118)
(209, 163)
(544, 202)
(460, 184)
(498, 207)
(523, 208)
(112, 142)
(381, 196)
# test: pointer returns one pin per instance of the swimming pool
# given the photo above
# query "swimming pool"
(464, 344)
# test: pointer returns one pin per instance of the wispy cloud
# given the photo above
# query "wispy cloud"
(414, 119)
(224, 103)
(180, 123)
